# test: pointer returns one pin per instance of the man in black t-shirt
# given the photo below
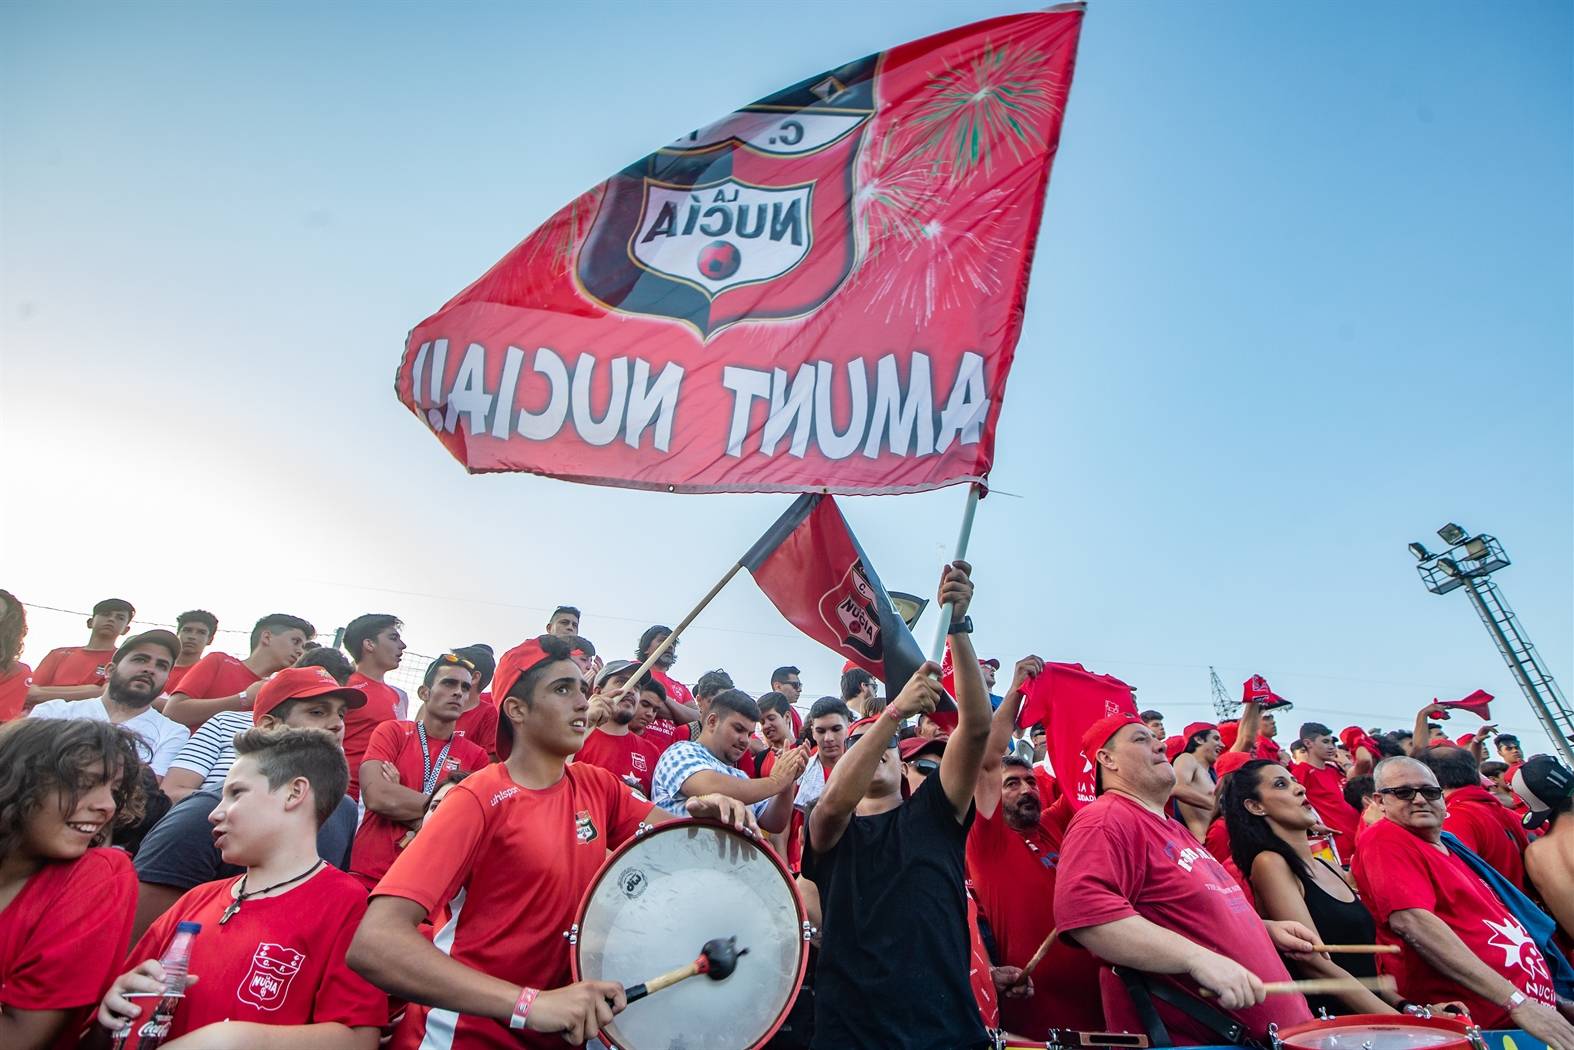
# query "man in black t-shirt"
(887, 980)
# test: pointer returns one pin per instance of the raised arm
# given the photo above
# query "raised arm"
(964, 751)
(849, 780)
(784, 776)
(1251, 721)
(1420, 734)
(986, 794)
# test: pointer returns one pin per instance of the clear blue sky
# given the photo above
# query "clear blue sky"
(1303, 295)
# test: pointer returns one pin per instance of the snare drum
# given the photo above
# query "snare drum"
(1380, 1032)
(657, 900)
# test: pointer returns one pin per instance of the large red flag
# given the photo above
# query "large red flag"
(1072, 698)
(821, 291)
(1476, 703)
(811, 567)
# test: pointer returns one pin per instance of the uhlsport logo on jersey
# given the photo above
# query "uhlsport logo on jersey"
(748, 219)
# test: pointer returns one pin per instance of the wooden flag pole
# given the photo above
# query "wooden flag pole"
(666, 643)
(943, 628)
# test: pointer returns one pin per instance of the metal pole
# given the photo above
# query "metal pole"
(943, 628)
(1532, 694)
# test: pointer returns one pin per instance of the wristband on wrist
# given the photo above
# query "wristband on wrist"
(521, 1013)
(1516, 998)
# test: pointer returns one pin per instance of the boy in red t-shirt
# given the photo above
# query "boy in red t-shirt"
(220, 682)
(1324, 785)
(65, 906)
(196, 629)
(510, 853)
(78, 672)
(374, 644)
(270, 955)
(478, 721)
(405, 762)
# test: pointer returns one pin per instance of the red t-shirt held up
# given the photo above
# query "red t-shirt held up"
(1325, 791)
(1396, 870)
(278, 961)
(382, 705)
(1119, 859)
(1490, 830)
(73, 665)
(397, 743)
(629, 757)
(1013, 874)
(63, 938)
(215, 675)
(13, 691)
(511, 864)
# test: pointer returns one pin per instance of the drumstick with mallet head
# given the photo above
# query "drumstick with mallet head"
(717, 959)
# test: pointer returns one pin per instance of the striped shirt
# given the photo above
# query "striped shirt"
(681, 761)
(211, 749)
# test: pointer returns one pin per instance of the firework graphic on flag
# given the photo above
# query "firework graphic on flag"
(997, 99)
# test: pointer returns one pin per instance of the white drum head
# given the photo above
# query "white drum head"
(653, 907)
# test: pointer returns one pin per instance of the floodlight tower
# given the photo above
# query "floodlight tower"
(1223, 707)
(1470, 562)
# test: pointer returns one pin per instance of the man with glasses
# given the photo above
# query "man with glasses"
(787, 681)
(1460, 941)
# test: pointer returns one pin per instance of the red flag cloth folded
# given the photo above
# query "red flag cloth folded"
(1353, 737)
(1068, 699)
(1255, 689)
(1476, 703)
(822, 290)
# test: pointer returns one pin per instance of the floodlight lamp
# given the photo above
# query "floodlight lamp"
(1449, 566)
(1451, 534)
(1476, 548)
(1421, 553)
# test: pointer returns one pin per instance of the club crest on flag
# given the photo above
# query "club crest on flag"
(849, 610)
(747, 219)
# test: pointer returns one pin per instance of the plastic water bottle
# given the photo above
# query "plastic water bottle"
(152, 1025)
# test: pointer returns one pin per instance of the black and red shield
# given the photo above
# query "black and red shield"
(749, 219)
(849, 609)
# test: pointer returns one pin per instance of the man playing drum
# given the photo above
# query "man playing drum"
(894, 962)
(509, 853)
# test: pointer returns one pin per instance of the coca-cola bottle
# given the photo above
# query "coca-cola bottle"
(152, 1023)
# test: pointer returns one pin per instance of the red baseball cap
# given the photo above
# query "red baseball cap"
(1229, 732)
(1173, 746)
(1099, 734)
(1230, 761)
(989, 662)
(514, 664)
(1195, 728)
(299, 683)
(914, 746)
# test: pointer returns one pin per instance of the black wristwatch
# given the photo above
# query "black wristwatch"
(962, 626)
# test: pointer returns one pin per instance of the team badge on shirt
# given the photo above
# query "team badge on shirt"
(584, 827)
(637, 760)
(267, 983)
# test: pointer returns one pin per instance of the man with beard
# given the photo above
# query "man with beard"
(677, 702)
(709, 765)
(611, 743)
(137, 671)
(1013, 850)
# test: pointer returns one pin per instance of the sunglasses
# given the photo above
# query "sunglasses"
(927, 766)
(1405, 794)
(454, 658)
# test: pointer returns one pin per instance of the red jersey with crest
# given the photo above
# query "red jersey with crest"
(511, 864)
(63, 938)
(1397, 870)
(74, 665)
(398, 744)
(277, 961)
(629, 757)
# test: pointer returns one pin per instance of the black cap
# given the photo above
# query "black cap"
(159, 637)
(1543, 784)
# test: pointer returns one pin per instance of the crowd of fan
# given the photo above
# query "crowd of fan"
(364, 866)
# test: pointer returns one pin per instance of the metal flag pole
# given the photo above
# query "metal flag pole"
(943, 628)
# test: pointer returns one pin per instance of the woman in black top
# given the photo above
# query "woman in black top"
(1268, 819)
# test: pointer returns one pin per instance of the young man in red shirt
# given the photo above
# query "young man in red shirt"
(1013, 849)
(406, 761)
(611, 743)
(220, 682)
(78, 672)
(478, 721)
(1458, 940)
(1137, 889)
(196, 629)
(678, 701)
(564, 622)
(1324, 785)
(65, 898)
(509, 853)
(375, 646)
(270, 954)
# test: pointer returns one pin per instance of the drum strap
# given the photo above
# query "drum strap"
(1143, 991)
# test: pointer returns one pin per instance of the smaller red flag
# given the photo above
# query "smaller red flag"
(1256, 689)
(1068, 698)
(1476, 703)
(1354, 737)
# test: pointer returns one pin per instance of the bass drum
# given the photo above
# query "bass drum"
(655, 903)
(1379, 1032)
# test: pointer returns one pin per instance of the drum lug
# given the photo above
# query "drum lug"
(1477, 1040)
(1273, 1036)
(572, 933)
(808, 931)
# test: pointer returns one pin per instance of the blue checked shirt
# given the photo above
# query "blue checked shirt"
(681, 761)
